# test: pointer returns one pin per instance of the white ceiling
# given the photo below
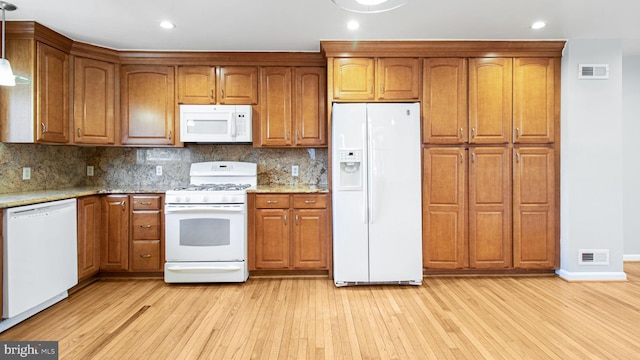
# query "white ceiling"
(299, 25)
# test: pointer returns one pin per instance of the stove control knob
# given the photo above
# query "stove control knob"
(187, 199)
(176, 199)
(205, 199)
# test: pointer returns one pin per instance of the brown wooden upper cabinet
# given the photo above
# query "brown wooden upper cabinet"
(147, 105)
(236, 85)
(444, 103)
(535, 98)
(376, 79)
(196, 84)
(292, 107)
(93, 102)
(53, 95)
(490, 100)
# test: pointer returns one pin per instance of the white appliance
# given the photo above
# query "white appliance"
(376, 182)
(215, 123)
(206, 224)
(40, 258)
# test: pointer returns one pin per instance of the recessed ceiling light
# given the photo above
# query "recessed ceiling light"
(353, 25)
(538, 25)
(167, 24)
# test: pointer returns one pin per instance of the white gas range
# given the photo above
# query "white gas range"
(206, 224)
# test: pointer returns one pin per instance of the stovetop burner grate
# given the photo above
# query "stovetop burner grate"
(213, 187)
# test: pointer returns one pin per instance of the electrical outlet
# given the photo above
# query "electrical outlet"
(294, 170)
(89, 170)
(159, 170)
(26, 173)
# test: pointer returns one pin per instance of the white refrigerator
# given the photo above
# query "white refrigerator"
(377, 202)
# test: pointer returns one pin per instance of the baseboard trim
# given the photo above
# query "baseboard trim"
(591, 276)
(631, 257)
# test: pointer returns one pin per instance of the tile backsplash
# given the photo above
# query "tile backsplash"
(55, 167)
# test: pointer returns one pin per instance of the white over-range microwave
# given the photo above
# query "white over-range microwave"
(215, 123)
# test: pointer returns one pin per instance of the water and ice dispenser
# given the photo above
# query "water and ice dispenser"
(350, 169)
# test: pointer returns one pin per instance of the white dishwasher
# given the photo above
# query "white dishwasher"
(40, 258)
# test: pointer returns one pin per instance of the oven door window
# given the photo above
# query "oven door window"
(205, 232)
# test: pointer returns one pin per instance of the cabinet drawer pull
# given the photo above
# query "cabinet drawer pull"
(222, 93)
(147, 226)
(461, 133)
(211, 95)
(169, 135)
(296, 219)
(122, 204)
(517, 132)
(309, 201)
(272, 201)
(381, 88)
(285, 219)
(145, 256)
(44, 127)
(473, 132)
(79, 132)
(145, 203)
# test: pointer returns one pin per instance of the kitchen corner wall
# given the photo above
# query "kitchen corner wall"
(137, 166)
(56, 167)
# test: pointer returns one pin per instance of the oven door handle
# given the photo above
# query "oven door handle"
(201, 209)
(198, 269)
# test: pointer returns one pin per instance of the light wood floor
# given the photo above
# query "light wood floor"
(445, 318)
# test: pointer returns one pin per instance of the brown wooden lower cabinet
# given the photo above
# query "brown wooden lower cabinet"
(488, 207)
(288, 232)
(132, 233)
(89, 231)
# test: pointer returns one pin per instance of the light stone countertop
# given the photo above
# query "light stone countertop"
(280, 188)
(34, 197)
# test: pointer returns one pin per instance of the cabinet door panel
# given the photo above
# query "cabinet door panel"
(445, 101)
(53, 95)
(534, 103)
(89, 230)
(534, 208)
(93, 102)
(272, 239)
(444, 229)
(310, 239)
(490, 100)
(489, 208)
(398, 79)
(114, 251)
(147, 105)
(353, 78)
(310, 120)
(238, 85)
(196, 84)
(275, 114)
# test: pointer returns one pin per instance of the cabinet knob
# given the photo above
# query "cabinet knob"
(145, 256)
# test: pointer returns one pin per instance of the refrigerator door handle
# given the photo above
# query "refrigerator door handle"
(365, 175)
(370, 178)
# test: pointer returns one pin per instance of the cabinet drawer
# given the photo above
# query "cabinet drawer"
(146, 202)
(145, 255)
(272, 201)
(146, 225)
(312, 201)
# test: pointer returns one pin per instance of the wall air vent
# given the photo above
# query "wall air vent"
(593, 71)
(593, 257)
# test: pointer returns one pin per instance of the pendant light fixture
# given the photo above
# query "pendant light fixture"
(369, 6)
(6, 74)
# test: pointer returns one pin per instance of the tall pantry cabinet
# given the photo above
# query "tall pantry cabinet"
(490, 189)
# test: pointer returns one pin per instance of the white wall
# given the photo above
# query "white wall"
(591, 161)
(631, 156)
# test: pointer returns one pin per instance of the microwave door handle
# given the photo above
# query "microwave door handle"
(234, 118)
